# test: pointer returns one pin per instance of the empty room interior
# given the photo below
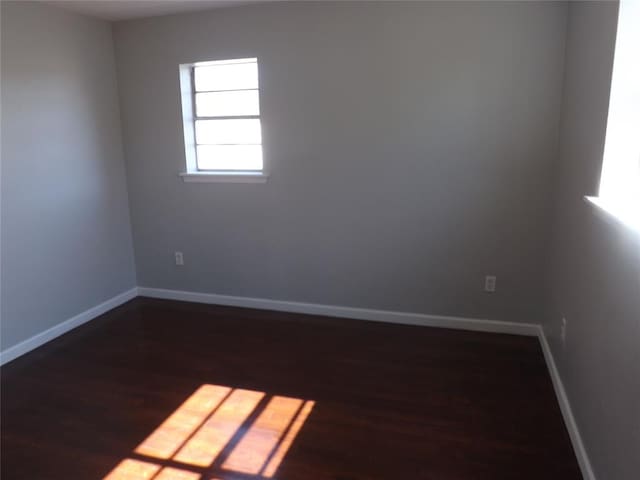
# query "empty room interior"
(320, 240)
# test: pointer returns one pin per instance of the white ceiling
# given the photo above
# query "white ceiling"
(126, 9)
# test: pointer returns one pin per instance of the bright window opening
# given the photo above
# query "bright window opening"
(221, 114)
(620, 180)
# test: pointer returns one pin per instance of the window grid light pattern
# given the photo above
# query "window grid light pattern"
(226, 112)
(219, 431)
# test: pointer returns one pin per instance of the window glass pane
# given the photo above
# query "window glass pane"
(235, 131)
(229, 76)
(229, 157)
(227, 104)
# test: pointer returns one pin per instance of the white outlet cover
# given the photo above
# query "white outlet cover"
(490, 283)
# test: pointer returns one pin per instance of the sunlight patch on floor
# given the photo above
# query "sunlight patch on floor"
(218, 429)
(173, 432)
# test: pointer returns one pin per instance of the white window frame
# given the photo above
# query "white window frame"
(189, 117)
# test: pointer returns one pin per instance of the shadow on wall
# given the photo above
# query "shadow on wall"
(217, 431)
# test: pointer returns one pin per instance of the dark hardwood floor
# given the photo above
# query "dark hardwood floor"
(383, 401)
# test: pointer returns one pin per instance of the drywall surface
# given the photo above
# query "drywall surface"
(595, 273)
(410, 147)
(66, 237)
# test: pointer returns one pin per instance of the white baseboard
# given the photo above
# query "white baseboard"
(565, 407)
(404, 318)
(387, 316)
(41, 338)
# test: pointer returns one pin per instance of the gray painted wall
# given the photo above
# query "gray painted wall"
(595, 272)
(408, 145)
(66, 239)
(411, 149)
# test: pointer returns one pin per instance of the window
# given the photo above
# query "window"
(620, 181)
(221, 116)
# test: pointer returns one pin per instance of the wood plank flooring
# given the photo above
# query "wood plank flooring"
(169, 390)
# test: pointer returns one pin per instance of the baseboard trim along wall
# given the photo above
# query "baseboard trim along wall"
(404, 318)
(41, 338)
(565, 408)
(387, 316)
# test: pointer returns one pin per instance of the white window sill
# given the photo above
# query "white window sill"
(218, 177)
(628, 214)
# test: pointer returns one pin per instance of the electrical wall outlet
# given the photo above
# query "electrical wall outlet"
(490, 283)
(179, 258)
(563, 331)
